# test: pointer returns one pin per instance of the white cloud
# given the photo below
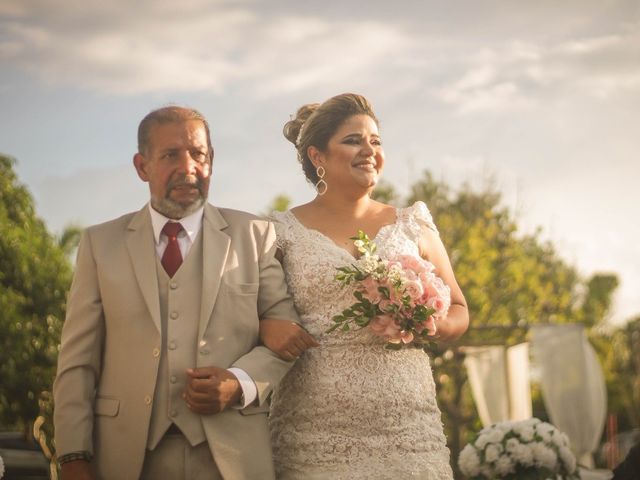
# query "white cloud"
(520, 75)
(193, 48)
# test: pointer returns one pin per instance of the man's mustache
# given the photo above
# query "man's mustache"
(185, 181)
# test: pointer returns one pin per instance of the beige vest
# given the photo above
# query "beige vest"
(180, 300)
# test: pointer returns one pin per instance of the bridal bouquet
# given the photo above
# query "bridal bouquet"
(528, 449)
(399, 299)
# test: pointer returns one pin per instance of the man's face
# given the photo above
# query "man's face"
(177, 167)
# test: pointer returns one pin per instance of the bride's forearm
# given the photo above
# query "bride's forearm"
(454, 325)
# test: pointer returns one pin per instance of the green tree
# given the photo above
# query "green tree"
(35, 274)
(385, 193)
(619, 350)
(280, 203)
(510, 281)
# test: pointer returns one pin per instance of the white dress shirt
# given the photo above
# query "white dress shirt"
(191, 225)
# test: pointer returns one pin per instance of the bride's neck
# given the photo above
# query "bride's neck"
(343, 206)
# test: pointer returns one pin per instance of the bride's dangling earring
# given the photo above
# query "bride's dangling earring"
(321, 185)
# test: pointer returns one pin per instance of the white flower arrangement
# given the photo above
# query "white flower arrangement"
(528, 449)
(1, 467)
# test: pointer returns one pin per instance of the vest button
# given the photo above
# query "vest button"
(173, 285)
(172, 345)
(156, 352)
(147, 400)
(173, 379)
(174, 315)
(173, 413)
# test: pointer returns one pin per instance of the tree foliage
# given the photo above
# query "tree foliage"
(35, 274)
(510, 280)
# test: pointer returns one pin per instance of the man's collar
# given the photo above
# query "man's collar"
(191, 223)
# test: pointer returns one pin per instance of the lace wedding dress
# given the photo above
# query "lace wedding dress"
(350, 409)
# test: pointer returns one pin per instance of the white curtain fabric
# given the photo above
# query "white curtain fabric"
(499, 380)
(572, 384)
(518, 381)
(486, 369)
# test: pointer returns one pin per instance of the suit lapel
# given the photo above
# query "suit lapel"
(215, 248)
(140, 244)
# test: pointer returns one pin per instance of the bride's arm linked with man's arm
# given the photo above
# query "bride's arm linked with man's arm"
(287, 339)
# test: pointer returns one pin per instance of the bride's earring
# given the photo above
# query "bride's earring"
(321, 185)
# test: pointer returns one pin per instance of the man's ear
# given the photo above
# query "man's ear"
(141, 167)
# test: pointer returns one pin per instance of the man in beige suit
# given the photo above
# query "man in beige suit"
(160, 374)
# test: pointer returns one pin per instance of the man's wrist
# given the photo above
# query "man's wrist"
(70, 457)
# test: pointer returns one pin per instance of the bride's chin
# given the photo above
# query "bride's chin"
(368, 181)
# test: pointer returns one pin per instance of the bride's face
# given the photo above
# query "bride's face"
(354, 155)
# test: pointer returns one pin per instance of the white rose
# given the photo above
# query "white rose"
(568, 459)
(492, 453)
(545, 431)
(544, 456)
(505, 465)
(469, 461)
(512, 444)
(523, 455)
(496, 435)
(482, 440)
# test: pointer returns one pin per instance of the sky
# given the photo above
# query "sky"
(541, 96)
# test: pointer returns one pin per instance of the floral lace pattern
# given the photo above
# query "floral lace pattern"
(350, 409)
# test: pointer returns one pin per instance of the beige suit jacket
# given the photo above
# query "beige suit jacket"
(108, 360)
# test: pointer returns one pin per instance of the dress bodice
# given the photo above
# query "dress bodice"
(311, 259)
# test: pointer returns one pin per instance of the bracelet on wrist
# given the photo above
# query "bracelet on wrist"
(70, 457)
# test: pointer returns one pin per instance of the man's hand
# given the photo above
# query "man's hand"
(211, 390)
(77, 470)
(285, 338)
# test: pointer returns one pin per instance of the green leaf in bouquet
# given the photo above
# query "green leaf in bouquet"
(332, 328)
(430, 347)
(393, 346)
(345, 327)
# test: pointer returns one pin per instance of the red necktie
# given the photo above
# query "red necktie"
(172, 258)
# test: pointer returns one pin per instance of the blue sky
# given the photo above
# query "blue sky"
(544, 96)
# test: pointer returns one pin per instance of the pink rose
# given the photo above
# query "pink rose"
(384, 326)
(439, 304)
(406, 336)
(385, 304)
(413, 289)
(380, 324)
(393, 330)
(415, 263)
(370, 289)
(430, 325)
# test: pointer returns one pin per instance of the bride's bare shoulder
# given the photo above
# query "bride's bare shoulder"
(303, 211)
(387, 213)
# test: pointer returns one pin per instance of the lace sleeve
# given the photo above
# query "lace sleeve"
(279, 220)
(421, 215)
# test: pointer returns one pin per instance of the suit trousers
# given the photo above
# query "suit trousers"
(174, 458)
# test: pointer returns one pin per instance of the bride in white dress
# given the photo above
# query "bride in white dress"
(350, 409)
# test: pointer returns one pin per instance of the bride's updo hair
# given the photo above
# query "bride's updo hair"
(316, 123)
